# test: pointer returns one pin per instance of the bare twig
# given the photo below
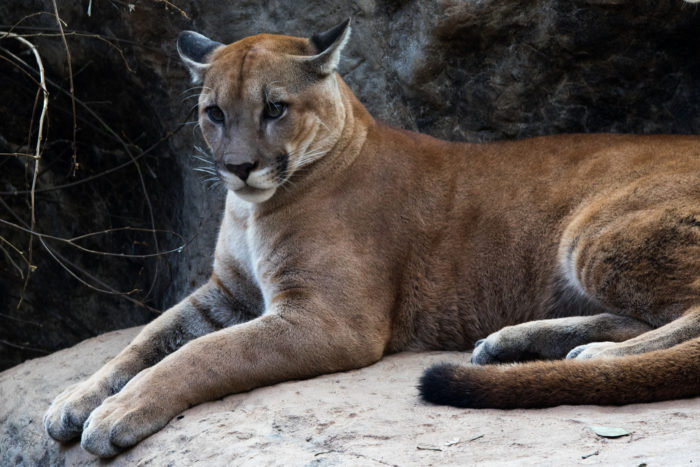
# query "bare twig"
(23, 347)
(18, 154)
(23, 19)
(71, 241)
(42, 31)
(101, 174)
(174, 7)
(9, 257)
(93, 36)
(72, 87)
(17, 250)
(29, 75)
(64, 263)
(20, 320)
(128, 151)
(37, 151)
(103, 287)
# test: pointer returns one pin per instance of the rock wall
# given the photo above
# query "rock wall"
(476, 70)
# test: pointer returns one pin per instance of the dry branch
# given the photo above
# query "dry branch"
(37, 148)
(72, 87)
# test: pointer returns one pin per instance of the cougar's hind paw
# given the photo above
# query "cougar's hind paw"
(592, 350)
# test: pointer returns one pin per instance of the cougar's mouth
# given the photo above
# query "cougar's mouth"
(260, 184)
(255, 195)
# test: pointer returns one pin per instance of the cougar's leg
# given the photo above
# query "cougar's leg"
(209, 308)
(553, 338)
(279, 346)
(642, 267)
(645, 265)
(680, 330)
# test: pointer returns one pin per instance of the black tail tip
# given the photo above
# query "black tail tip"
(437, 386)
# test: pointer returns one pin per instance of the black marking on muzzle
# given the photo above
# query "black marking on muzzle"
(282, 164)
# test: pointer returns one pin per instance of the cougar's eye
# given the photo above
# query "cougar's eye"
(274, 109)
(215, 114)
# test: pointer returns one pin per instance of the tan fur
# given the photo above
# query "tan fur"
(351, 239)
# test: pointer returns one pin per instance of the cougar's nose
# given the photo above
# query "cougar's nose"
(241, 170)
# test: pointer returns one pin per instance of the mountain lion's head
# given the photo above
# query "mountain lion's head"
(269, 104)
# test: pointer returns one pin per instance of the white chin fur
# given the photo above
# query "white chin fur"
(255, 195)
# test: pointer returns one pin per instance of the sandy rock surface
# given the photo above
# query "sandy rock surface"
(367, 417)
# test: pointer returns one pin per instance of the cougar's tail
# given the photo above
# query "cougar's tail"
(655, 376)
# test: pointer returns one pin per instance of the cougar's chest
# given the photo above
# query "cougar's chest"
(258, 249)
(234, 258)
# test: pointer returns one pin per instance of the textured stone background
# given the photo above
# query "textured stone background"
(461, 70)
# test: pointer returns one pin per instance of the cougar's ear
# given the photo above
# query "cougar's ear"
(328, 44)
(194, 49)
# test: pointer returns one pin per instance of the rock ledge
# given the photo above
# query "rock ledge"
(366, 417)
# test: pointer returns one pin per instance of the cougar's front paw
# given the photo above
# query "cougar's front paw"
(592, 350)
(506, 345)
(65, 417)
(125, 419)
(115, 426)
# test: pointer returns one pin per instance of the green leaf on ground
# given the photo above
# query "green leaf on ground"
(609, 431)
